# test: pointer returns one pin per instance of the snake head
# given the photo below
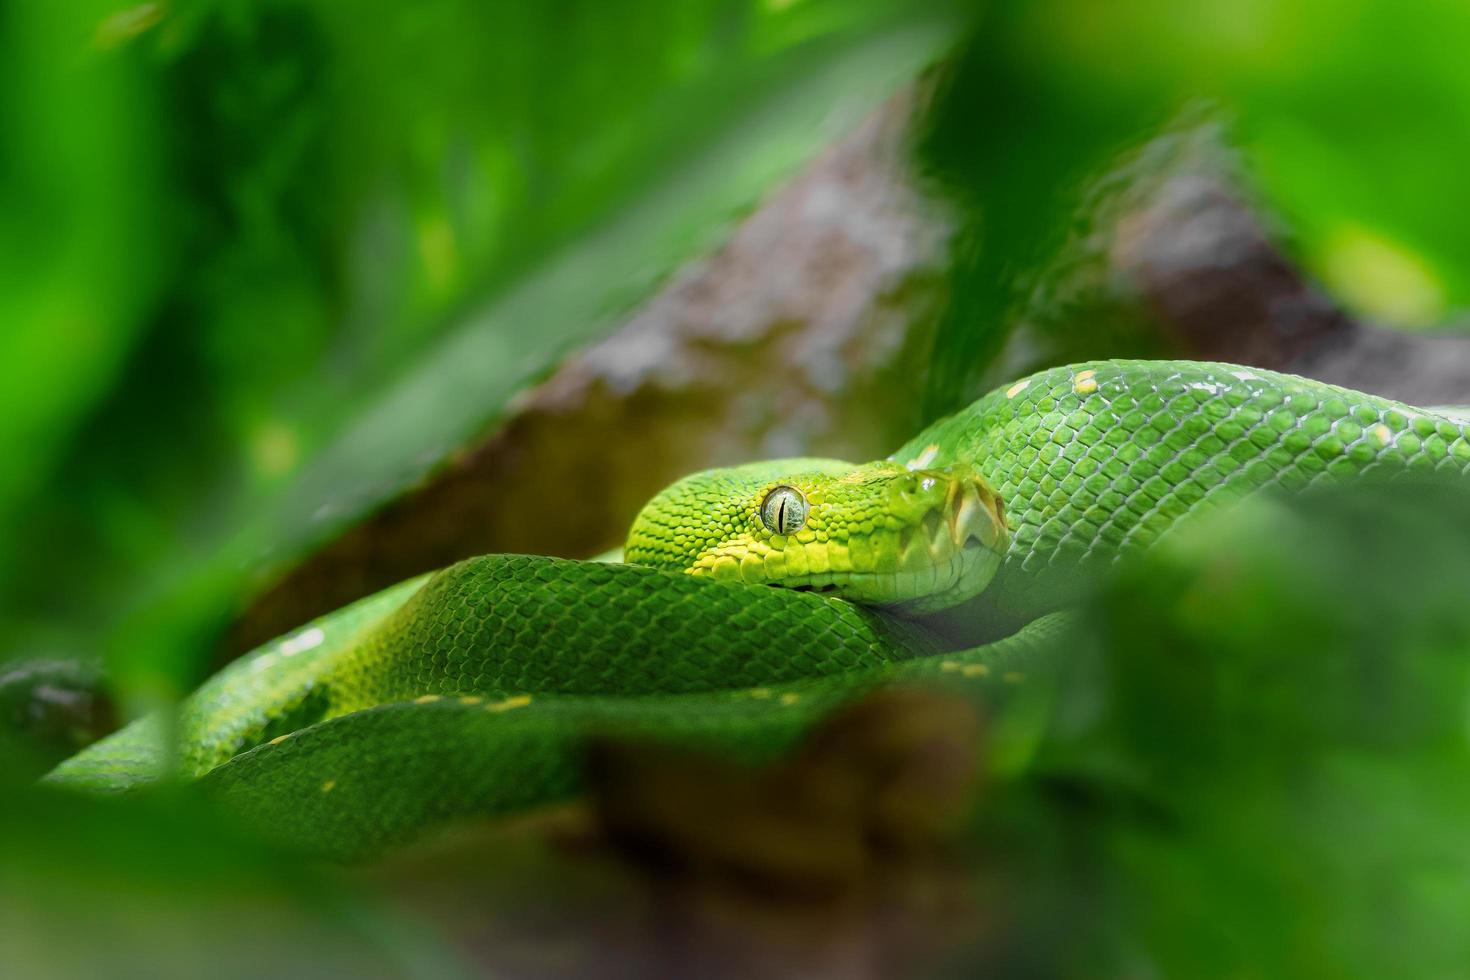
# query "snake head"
(879, 533)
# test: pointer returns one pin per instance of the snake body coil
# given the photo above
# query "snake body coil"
(472, 690)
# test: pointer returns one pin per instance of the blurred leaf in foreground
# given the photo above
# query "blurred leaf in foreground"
(79, 188)
(1259, 763)
(159, 886)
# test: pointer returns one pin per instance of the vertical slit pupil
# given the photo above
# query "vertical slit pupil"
(783, 511)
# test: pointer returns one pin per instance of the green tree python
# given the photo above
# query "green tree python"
(472, 691)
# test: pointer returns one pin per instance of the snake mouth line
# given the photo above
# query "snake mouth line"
(971, 563)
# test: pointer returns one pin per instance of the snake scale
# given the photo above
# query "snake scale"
(473, 690)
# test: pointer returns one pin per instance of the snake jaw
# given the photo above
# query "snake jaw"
(962, 544)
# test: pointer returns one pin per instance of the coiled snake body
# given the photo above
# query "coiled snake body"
(472, 690)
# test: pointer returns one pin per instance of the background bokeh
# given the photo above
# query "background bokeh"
(302, 298)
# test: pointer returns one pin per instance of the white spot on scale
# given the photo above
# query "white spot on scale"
(927, 483)
(1382, 433)
(1017, 388)
(925, 457)
(305, 640)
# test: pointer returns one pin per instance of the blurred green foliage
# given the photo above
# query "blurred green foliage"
(1349, 120)
(275, 260)
(1254, 761)
(263, 264)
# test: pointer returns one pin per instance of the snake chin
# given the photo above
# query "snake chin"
(939, 585)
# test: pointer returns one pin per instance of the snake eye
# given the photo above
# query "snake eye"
(784, 510)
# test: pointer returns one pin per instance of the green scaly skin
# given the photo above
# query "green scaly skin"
(471, 691)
